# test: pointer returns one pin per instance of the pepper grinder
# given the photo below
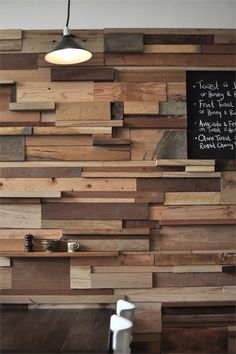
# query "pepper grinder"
(28, 242)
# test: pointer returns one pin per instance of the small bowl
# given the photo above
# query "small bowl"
(50, 245)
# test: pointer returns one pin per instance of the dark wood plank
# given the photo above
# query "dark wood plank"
(179, 184)
(18, 61)
(40, 273)
(12, 148)
(117, 110)
(158, 196)
(59, 292)
(178, 38)
(83, 74)
(192, 279)
(142, 75)
(205, 60)
(36, 172)
(219, 48)
(162, 122)
(92, 211)
(225, 165)
(194, 340)
(201, 258)
(123, 42)
(4, 98)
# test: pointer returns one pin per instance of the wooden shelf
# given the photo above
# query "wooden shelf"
(59, 254)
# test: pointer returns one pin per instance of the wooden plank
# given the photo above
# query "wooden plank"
(12, 148)
(10, 34)
(139, 260)
(218, 48)
(182, 294)
(10, 45)
(6, 116)
(89, 123)
(20, 254)
(30, 194)
(192, 198)
(122, 280)
(147, 318)
(40, 172)
(5, 278)
(197, 269)
(120, 232)
(80, 277)
(18, 61)
(84, 225)
(16, 131)
(182, 162)
(60, 299)
(121, 91)
(117, 110)
(167, 258)
(68, 184)
(103, 140)
(173, 108)
(91, 211)
(86, 111)
(200, 237)
(177, 185)
(22, 215)
(55, 91)
(172, 59)
(211, 214)
(136, 107)
(122, 174)
(32, 106)
(158, 144)
(123, 42)
(161, 122)
(185, 340)
(83, 74)
(228, 183)
(18, 234)
(176, 91)
(199, 168)
(5, 262)
(142, 74)
(172, 48)
(71, 130)
(231, 339)
(192, 279)
(60, 140)
(106, 164)
(192, 175)
(39, 75)
(132, 269)
(81, 153)
(225, 38)
(96, 261)
(5, 93)
(7, 82)
(178, 38)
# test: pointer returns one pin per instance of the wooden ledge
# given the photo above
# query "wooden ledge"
(58, 254)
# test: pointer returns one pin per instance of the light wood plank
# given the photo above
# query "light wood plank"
(100, 111)
(10, 45)
(172, 48)
(80, 277)
(192, 198)
(6, 82)
(181, 162)
(132, 269)
(136, 107)
(84, 225)
(122, 174)
(79, 164)
(198, 269)
(58, 140)
(228, 190)
(11, 117)
(10, 34)
(68, 184)
(71, 130)
(40, 75)
(16, 130)
(18, 234)
(147, 318)
(95, 123)
(22, 215)
(191, 175)
(55, 91)
(123, 280)
(32, 106)
(5, 262)
(30, 194)
(5, 278)
(199, 168)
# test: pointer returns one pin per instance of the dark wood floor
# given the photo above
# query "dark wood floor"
(54, 330)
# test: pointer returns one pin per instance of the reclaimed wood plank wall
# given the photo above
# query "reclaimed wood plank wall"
(97, 152)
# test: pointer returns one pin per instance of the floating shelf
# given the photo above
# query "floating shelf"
(59, 254)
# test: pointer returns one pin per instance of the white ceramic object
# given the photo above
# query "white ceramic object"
(125, 309)
(72, 246)
(121, 329)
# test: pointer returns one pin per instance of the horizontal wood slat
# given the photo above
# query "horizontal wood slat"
(83, 74)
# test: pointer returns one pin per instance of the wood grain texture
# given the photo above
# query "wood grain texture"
(55, 91)
(16, 117)
(178, 38)
(5, 278)
(143, 74)
(12, 148)
(24, 216)
(10, 34)
(161, 122)
(10, 45)
(192, 198)
(16, 131)
(83, 74)
(134, 107)
(18, 234)
(40, 172)
(80, 277)
(71, 130)
(34, 194)
(172, 59)
(58, 140)
(172, 48)
(89, 211)
(123, 43)
(120, 91)
(5, 262)
(31, 106)
(85, 111)
(134, 280)
(228, 183)
(158, 144)
(18, 61)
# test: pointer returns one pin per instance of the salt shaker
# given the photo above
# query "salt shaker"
(28, 243)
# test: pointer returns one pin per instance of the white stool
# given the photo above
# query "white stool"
(121, 329)
(125, 309)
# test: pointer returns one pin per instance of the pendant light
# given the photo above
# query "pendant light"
(67, 51)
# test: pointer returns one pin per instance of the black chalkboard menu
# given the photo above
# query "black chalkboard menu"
(211, 114)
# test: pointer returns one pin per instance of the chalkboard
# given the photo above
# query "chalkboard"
(211, 114)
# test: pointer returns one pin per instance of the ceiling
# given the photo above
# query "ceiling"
(49, 14)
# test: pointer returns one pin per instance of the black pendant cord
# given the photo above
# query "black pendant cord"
(68, 14)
